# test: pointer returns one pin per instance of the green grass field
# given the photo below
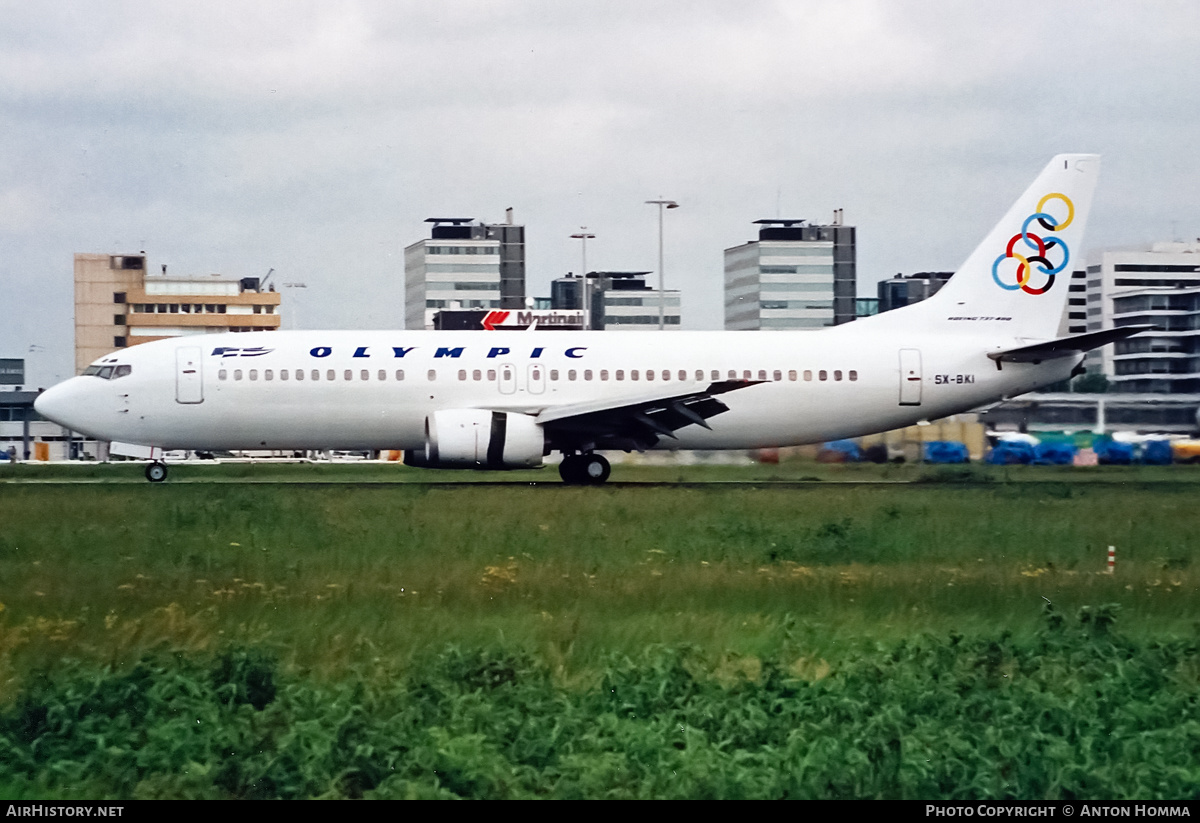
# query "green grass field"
(360, 580)
(331, 576)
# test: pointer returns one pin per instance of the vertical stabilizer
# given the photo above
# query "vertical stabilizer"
(1015, 283)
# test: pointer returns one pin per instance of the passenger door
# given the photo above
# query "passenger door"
(189, 375)
(910, 377)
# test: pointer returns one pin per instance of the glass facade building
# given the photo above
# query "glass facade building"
(794, 276)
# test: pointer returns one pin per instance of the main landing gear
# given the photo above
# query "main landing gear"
(588, 469)
(156, 472)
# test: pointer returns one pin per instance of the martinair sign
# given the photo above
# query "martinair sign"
(524, 319)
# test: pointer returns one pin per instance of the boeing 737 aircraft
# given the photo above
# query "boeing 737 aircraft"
(506, 400)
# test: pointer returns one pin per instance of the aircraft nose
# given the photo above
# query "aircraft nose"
(64, 404)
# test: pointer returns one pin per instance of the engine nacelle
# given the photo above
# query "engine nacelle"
(480, 439)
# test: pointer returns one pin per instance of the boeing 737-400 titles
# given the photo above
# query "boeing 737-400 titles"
(508, 399)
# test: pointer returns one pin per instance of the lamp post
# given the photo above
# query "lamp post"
(670, 204)
(583, 237)
(295, 308)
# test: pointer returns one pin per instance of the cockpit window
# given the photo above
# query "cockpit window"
(107, 372)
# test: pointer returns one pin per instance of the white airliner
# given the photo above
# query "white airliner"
(505, 400)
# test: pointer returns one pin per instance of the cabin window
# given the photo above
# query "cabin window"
(316, 375)
(570, 374)
(268, 374)
(822, 375)
(283, 374)
(683, 375)
(746, 374)
(330, 374)
(432, 374)
(254, 374)
(222, 374)
(666, 375)
(364, 375)
(348, 374)
(837, 374)
(382, 375)
(762, 374)
(620, 374)
(399, 374)
(649, 374)
(299, 374)
(604, 374)
(587, 374)
(777, 375)
(808, 374)
(237, 374)
(792, 375)
(462, 375)
(853, 375)
(554, 374)
(476, 375)
(633, 374)
(699, 375)
(491, 375)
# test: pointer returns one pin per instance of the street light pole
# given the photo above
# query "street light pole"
(670, 204)
(583, 237)
(296, 307)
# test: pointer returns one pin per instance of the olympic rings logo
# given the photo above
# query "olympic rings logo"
(1042, 248)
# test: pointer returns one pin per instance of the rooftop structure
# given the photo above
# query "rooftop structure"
(118, 304)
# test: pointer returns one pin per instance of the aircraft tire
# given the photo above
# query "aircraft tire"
(569, 470)
(594, 469)
(156, 472)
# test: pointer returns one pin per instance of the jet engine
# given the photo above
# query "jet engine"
(480, 439)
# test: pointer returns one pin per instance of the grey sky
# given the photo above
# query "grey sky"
(314, 138)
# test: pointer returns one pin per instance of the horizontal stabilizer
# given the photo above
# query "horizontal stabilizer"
(1065, 346)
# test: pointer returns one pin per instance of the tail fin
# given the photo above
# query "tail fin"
(1015, 283)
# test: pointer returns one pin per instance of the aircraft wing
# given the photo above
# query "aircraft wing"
(1065, 346)
(637, 422)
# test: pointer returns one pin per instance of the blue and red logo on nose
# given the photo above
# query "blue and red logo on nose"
(236, 351)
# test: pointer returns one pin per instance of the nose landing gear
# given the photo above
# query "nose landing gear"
(588, 469)
(156, 472)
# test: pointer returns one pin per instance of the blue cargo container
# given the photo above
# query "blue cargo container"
(1009, 453)
(946, 451)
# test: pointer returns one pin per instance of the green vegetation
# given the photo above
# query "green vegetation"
(1074, 713)
(313, 631)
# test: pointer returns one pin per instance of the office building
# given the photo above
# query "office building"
(117, 304)
(463, 265)
(623, 301)
(907, 289)
(1158, 286)
(794, 276)
(1075, 314)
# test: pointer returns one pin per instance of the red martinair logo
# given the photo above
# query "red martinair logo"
(1041, 247)
(493, 319)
